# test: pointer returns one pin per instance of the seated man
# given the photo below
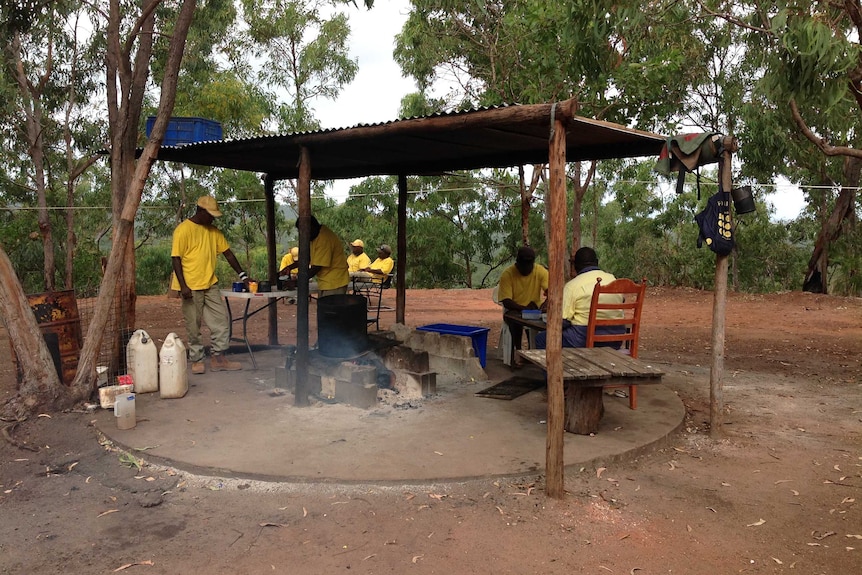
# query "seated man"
(577, 296)
(522, 286)
(358, 259)
(289, 258)
(382, 266)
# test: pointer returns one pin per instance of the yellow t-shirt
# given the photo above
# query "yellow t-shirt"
(328, 253)
(197, 246)
(578, 294)
(286, 261)
(523, 289)
(356, 263)
(385, 265)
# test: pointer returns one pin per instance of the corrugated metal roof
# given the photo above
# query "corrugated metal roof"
(490, 137)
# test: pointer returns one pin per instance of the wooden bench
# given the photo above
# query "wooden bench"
(585, 372)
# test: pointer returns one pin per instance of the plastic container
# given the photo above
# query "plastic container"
(535, 314)
(142, 359)
(478, 335)
(124, 411)
(173, 368)
(182, 130)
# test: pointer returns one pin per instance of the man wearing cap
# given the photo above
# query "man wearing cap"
(196, 244)
(357, 259)
(523, 285)
(289, 258)
(382, 266)
(577, 298)
(327, 260)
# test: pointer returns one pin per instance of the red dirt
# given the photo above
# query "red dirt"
(780, 492)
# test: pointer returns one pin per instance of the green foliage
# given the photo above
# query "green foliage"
(153, 269)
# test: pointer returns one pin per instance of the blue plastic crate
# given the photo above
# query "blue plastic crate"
(478, 335)
(187, 130)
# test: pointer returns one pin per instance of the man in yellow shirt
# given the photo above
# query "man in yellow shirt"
(289, 258)
(196, 244)
(357, 259)
(327, 260)
(523, 285)
(577, 298)
(382, 266)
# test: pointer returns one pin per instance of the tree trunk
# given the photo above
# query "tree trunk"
(31, 96)
(128, 176)
(40, 386)
(527, 195)
(832, 227)
(580, 188)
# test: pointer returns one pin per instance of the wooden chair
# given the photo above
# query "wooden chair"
(619, 311)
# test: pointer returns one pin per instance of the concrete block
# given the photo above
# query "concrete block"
(327, 386)
(314, 383)
(420, 383)
(363, 396)
(403, 357)
(363, 375)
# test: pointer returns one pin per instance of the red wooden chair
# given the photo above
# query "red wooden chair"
(618, 311)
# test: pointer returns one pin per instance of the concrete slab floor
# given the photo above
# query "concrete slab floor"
(234, 424)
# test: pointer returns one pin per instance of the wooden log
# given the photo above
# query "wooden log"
(554, 480)
(584, 408)
(303, 194)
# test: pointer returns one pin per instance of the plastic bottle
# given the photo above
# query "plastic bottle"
(124, 411)
(173, 368)
(142, 362)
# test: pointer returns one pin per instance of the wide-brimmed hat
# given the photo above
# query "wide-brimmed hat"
(357, 244)
(385, 248)
(210, 205)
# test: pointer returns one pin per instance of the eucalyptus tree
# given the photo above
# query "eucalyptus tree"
(802, 120)
(628, 62)
(127, 33)
(48, 80)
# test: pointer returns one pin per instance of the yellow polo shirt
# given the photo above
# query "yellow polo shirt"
(327, 251)
(356, 263)
(523, 289)
(197, 246)
(578, 294)
(383, 264)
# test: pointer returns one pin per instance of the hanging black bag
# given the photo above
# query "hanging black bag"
(715, 224)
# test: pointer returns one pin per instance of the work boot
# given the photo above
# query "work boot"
(198, 367)
(221, 363)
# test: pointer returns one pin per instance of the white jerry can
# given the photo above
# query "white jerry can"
(173, 368)
(142, 362)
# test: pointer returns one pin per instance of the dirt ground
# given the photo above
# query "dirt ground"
(780, 492)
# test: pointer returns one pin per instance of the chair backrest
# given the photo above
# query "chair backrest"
(373, 293)
(627, 313)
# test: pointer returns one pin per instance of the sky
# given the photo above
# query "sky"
(375, 94)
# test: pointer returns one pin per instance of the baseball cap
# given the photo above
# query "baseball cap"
(357, 244)
(385, 248)
(209, 204)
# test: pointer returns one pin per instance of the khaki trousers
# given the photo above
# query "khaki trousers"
(207, 306)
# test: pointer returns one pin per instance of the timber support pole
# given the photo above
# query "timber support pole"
(303, 194)
(719, 306)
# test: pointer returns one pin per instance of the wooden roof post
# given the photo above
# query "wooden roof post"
(719, 307)
(271, 254)
(554, 466)
(303, 194)
(401, 264)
